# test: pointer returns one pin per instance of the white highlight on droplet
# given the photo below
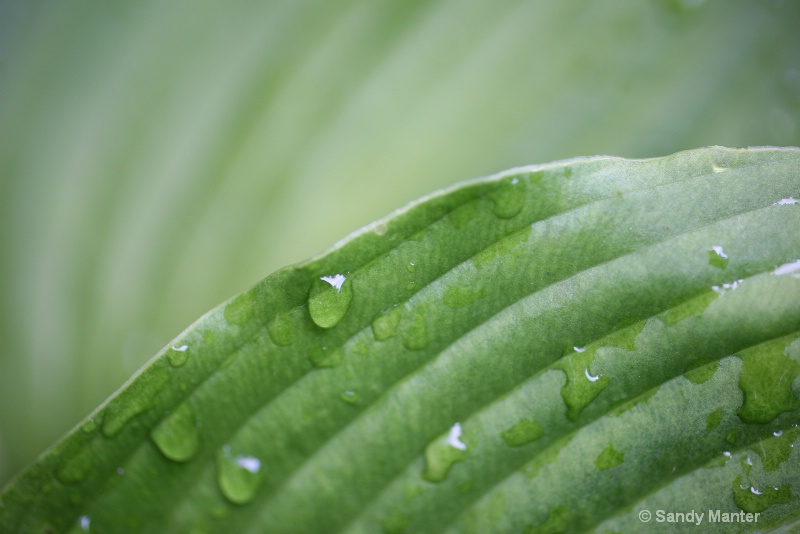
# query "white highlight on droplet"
(787, 268)
(589, 377)
(85, 521)
(249, 463)
(719, 251)
(787, 202)
(726, 454)
(182, 348)
(579, 349)
(727, 286)
(454, 438)
(335, 281)
(778, 433)
(755, 491)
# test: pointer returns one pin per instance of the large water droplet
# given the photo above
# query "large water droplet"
(329, 300)
(522, 433)
(281, 329)
(326, 357)
(178, 436)
(442, 453)
(508, 198)
(717, 257)
(384, 325)
(238, 476)
(413, 330)
(609, 458)
(178, 355)
(766, 381)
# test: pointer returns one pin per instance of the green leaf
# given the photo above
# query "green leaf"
(157, 157)
(551, 349)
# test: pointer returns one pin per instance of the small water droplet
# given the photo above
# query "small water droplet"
(522, 433)
(84, 521)
(787, 268)
(508, 199)
(413, 330)
(579, 349)
(329, 300)
(178, 356)
(726, 454)
(384, 325)
(460, 297)
(411, 267)
(120, 471)
(442, 453)
(178, 436)
(89, 426)
(281, 329)
(609, 458)
(77, 468)
(326, 357)
(787, 202)
(238, 476)
(717, 257)
(350, 397)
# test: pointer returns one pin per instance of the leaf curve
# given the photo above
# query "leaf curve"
(546, 327)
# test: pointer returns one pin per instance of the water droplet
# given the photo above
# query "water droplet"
(241, 309)
(120, 471)
(776, 450)
(787, 202)
(766, 381)
(329, 300)
(459, 297)
(326, 357)
(726, 454)
(89, 426)
(717, 257)
(724, 160)
(508, 198)
(442, 453)
(384, 325)
(787, 268)
(178, 436)
(609, 458)
(580, 388)
(778, 433)
(281, 329)
(178, 356)
(413, 330)
(137, 398)
(238, 476)
(559, 519)
(350, 397)
(84, 521)
(522, 433)
(724, 288)
(579, 349)
(714, 419)
(759, 500)
(76, 469)
(411, 267)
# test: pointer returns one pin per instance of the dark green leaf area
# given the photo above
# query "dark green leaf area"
(767, 383)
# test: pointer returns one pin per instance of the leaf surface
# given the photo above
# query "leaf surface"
(553, 348)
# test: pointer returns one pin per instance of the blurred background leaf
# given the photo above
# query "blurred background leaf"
(158, 157)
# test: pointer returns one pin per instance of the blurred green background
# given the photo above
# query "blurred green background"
(157, 157)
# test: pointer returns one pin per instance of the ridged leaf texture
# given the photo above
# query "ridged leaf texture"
(551, 349)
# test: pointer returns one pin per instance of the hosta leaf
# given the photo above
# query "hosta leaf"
(554, 348)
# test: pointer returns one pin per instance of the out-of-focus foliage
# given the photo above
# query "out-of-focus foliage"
(157, 157)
